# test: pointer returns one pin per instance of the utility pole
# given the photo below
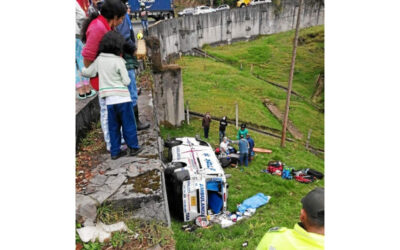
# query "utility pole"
(289, 91)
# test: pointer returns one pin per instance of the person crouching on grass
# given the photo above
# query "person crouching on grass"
(113, 82)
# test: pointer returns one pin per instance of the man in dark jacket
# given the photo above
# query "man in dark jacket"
(126, 30)
(222, 126)
(206, 124)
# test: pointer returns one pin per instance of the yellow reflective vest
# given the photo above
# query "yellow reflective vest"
(282, 238)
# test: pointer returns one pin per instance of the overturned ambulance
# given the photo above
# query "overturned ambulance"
(195, 181)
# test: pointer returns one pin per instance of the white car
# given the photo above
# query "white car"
(203, 10)
(222, 7)
(195, 181)
(255, 2)
(186, 12)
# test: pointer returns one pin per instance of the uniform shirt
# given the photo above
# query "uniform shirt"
(282, 238)
(242, 132)
(243, 146)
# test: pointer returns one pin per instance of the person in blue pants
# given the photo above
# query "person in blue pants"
(126, 30)
(251, 146)
(244, 151)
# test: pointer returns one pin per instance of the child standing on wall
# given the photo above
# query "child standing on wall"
(113, 82)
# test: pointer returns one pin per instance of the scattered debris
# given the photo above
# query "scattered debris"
(100, 231)
(202, 221)
(262, 150)
(245, 244)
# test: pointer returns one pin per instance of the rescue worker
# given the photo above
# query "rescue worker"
(307, 234)
(242, 131)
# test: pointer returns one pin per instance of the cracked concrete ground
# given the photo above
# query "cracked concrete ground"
(132, 183)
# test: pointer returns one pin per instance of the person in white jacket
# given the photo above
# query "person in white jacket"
(113, 82)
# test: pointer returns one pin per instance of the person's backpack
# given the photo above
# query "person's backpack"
(275, 164)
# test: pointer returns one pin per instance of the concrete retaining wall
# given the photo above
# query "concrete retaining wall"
(185, 33)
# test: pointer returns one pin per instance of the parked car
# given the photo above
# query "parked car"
(222, 7)
(195, 181)
(186, 12)
(255, 2)
(242, 3)
(203, 10)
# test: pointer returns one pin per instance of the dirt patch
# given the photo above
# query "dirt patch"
(146, 183)
(88, 156)
(278, 114)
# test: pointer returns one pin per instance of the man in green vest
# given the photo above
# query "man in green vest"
(307, 234)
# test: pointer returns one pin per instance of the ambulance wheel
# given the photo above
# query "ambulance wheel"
(172, 143)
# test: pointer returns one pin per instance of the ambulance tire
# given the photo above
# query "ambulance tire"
(172, 143)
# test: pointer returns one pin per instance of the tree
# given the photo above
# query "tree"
(289, 91)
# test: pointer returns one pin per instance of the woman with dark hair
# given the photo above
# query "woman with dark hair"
(94, 28)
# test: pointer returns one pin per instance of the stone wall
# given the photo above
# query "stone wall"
(185, 33)
(168, 97)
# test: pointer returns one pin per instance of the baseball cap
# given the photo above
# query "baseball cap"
(313, 204)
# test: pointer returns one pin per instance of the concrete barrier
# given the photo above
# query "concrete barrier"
(185, 33)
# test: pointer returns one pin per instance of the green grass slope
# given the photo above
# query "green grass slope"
(215, 87)
(283, 208)
(271, 57)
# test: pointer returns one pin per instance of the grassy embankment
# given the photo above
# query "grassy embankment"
(222, 84)
(214, 87)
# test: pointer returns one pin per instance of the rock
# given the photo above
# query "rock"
(116, 171)
(98, 180)
(111, 186)
(85, 208)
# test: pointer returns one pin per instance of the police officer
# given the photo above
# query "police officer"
(307, 234)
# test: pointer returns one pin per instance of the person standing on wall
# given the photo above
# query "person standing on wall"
(222, 126)
(206, 124)
(143, 17)
(126, 30)
(81, 83)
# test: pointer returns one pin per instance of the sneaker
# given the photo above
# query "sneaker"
(81, 97)
(121, 153)
(134, 151)
(92, 93)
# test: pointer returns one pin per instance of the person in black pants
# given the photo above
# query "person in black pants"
(222, 126)
(206, 124)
